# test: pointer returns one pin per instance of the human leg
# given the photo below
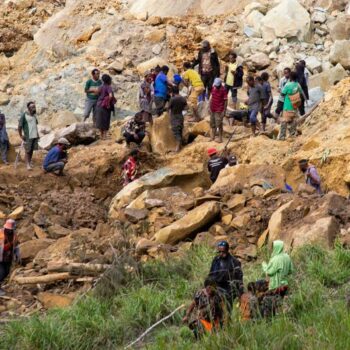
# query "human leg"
(234, 97)
(292, 128)
(302, 106)
(55, 167)
(253, 118)
(283, 131)
(160, 104)
(212, 126)
(219, 125)
(89, 107)
(4, 147)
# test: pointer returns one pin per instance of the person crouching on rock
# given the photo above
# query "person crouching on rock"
(56, 159)
(9, 250)
(312, 178)
(130, 167)
(277, 270)
(208, 309)
(134, 130)
(215, 164)
(226, 271)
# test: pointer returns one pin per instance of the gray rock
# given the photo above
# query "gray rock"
(319, 15)
(340, 53)
(135, 215)
(313, 64)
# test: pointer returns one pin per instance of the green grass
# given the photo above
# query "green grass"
(124, 305)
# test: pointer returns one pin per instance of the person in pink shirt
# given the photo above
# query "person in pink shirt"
(217, 107)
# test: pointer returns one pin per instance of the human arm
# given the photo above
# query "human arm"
(20, 127)
(189, 311)
(313, 175)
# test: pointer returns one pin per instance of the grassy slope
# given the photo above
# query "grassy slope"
(317, 316)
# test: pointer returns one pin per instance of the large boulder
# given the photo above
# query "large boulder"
(234, 179)
(161, 137)
(63, 119)
(301, 222)
(258, 61)
(328, 78)
(152, 63)
(189, 224)
(31, 248)
(289, 19)
(339, 28)
(76, 134)
(340, 53)
(156, 179)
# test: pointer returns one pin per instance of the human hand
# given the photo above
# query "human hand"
(185, 319)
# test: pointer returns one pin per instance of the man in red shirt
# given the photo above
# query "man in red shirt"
(217, 106)
(130, 167)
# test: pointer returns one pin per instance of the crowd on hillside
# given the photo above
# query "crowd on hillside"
(181, 97)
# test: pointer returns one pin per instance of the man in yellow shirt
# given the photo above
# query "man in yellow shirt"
(193, 80)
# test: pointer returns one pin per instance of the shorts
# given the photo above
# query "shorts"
(234, 92)
(216, 119)
(31, 145)
(253, 116)
(195, 93)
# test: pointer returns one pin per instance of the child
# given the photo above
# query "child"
(130, 167)
(4, 139)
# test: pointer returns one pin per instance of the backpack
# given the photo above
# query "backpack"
(295, 100)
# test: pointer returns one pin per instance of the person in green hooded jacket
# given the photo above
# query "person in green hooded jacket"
(278, 268)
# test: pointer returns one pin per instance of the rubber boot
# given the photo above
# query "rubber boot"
(220, 134)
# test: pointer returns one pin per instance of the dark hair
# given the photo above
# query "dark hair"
(175, 89)
(209, 281)
(95, 70)
(138, 115)
(133, 153)
(287, 69)
(303, 62)
(250, 78)
(30, 103)
(259, 79)
(165, 69)
(157, 68)
(303, 161)
(251, 287)
(293, 76)
(107, 79)
(187, 65)
(233, 54)
(265, 76)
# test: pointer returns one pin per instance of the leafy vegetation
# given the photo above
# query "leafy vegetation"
(124, 305)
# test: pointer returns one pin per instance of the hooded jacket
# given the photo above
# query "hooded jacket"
(279, 266)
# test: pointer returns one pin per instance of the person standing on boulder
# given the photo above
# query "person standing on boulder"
(92, 92)
(283, 81)
(161, 90)
(177, 105)
(217, 107)
(194, 82)
(312, 178)
(226, 271)
(233, 78)
(146, 95)
(56, 159)
(9, 250)
(254, 102)
(215, 164)
(105, 106)
(301, 79)
(4, 139)
(28, 131)
(209, 66)
(293, 97)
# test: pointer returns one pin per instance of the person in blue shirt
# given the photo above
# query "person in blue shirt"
(56, 159)
(161, 92)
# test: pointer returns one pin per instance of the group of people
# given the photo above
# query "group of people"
(212, 306)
